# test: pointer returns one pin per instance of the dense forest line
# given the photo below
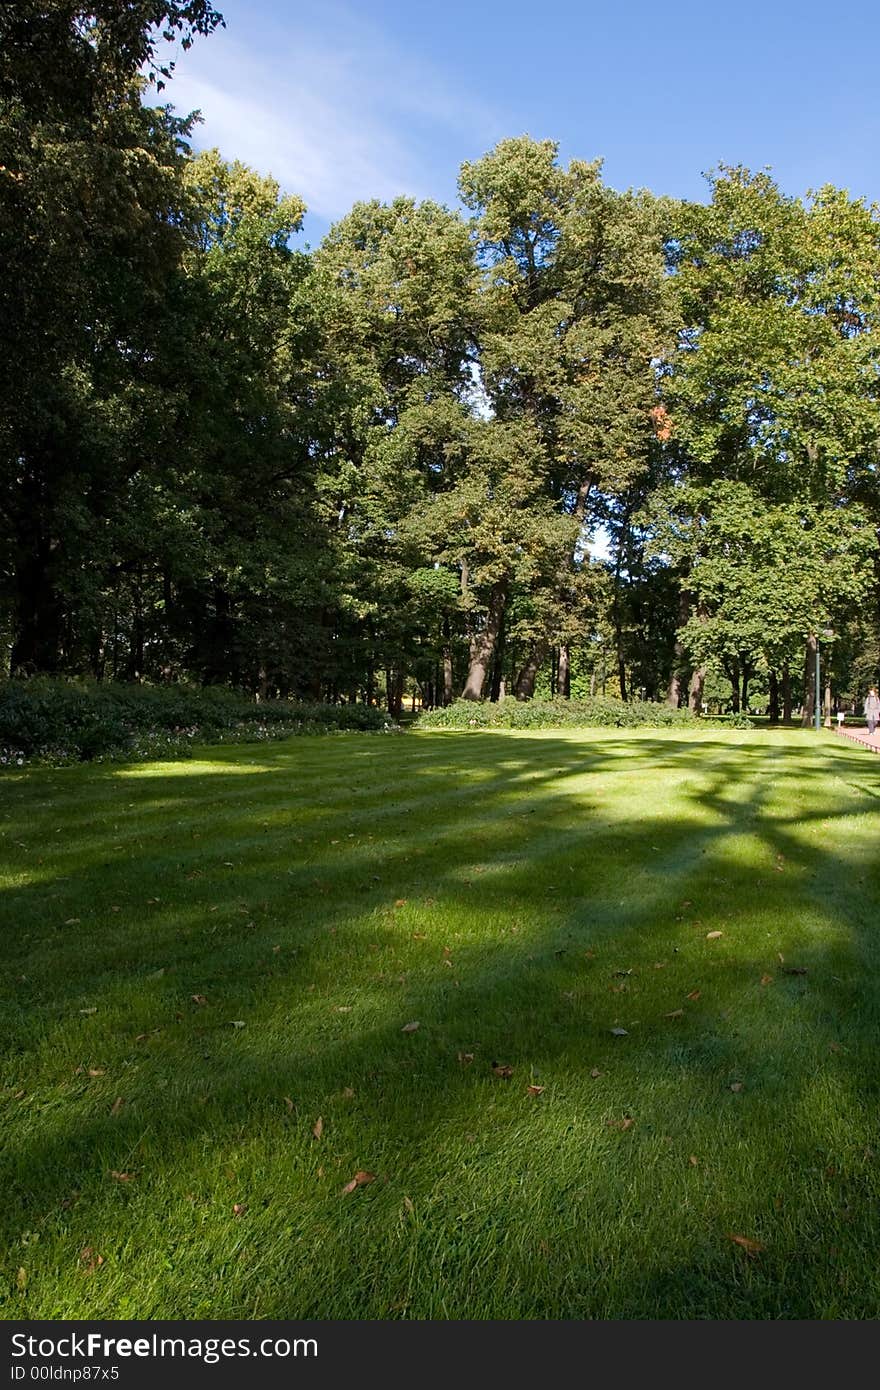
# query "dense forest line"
(563, 440)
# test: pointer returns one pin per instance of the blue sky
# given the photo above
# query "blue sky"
(349, 101)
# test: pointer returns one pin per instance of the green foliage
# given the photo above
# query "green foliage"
(383, 466)
(556, 714)
(730, 721)
(56, 721)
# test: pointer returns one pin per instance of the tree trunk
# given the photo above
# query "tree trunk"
(695, 690)
(497, 680)
(448, 689)
(786, 694)
(483, 645)
(38, 615)
(731, 670)
(809, 682)
(773, 702)
(827, 705)
(746, 677)
(676, 680)
(394, 692)
(524, 685)
(564, 671)
(447, 676)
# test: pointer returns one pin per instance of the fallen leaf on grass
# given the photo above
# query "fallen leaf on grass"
(713, 935)
(121, 1177)
(72, 921)
(676, 1013)
(834, 1047)
(360, 1179)
(619, 1033)
(289, 1103)
(626, 1123)
(408, 1203)
(117, 1105)
(766, 979)
(348, 1093)
(736, 1086)
(88, 1011)
(198, 998)
(90, 1259)
(239, 1209)
(410, 1027)
(595, 1073)
(535, 1090)
(96, 1071)
(751, 1247)
(694, 995)
(238, 1023)
(318, 1128)
(21, 1277)
(693, 1160)
(465, 1058)
(401, 902)
(503, 1070)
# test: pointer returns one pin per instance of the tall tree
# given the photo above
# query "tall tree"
(774, 383)
(90, 238)
(575, 313)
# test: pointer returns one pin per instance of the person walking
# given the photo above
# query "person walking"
(872, 708)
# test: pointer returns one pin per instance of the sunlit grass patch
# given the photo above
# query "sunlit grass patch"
(644, 970)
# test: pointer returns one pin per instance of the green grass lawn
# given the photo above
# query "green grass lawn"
(203, 959)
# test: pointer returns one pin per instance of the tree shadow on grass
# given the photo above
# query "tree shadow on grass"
(507, 932)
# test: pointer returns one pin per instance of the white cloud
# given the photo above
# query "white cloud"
(334, 111)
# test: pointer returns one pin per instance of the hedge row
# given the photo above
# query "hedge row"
(58, 721)
(596, 713)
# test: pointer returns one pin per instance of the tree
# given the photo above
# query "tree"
(575, 312)
(774, 381)
(768, 577)
(90, 238)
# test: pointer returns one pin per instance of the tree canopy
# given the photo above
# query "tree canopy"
(556, 439)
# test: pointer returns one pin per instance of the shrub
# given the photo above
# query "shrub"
(599, 712)
(731, 721)
(57, 721)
